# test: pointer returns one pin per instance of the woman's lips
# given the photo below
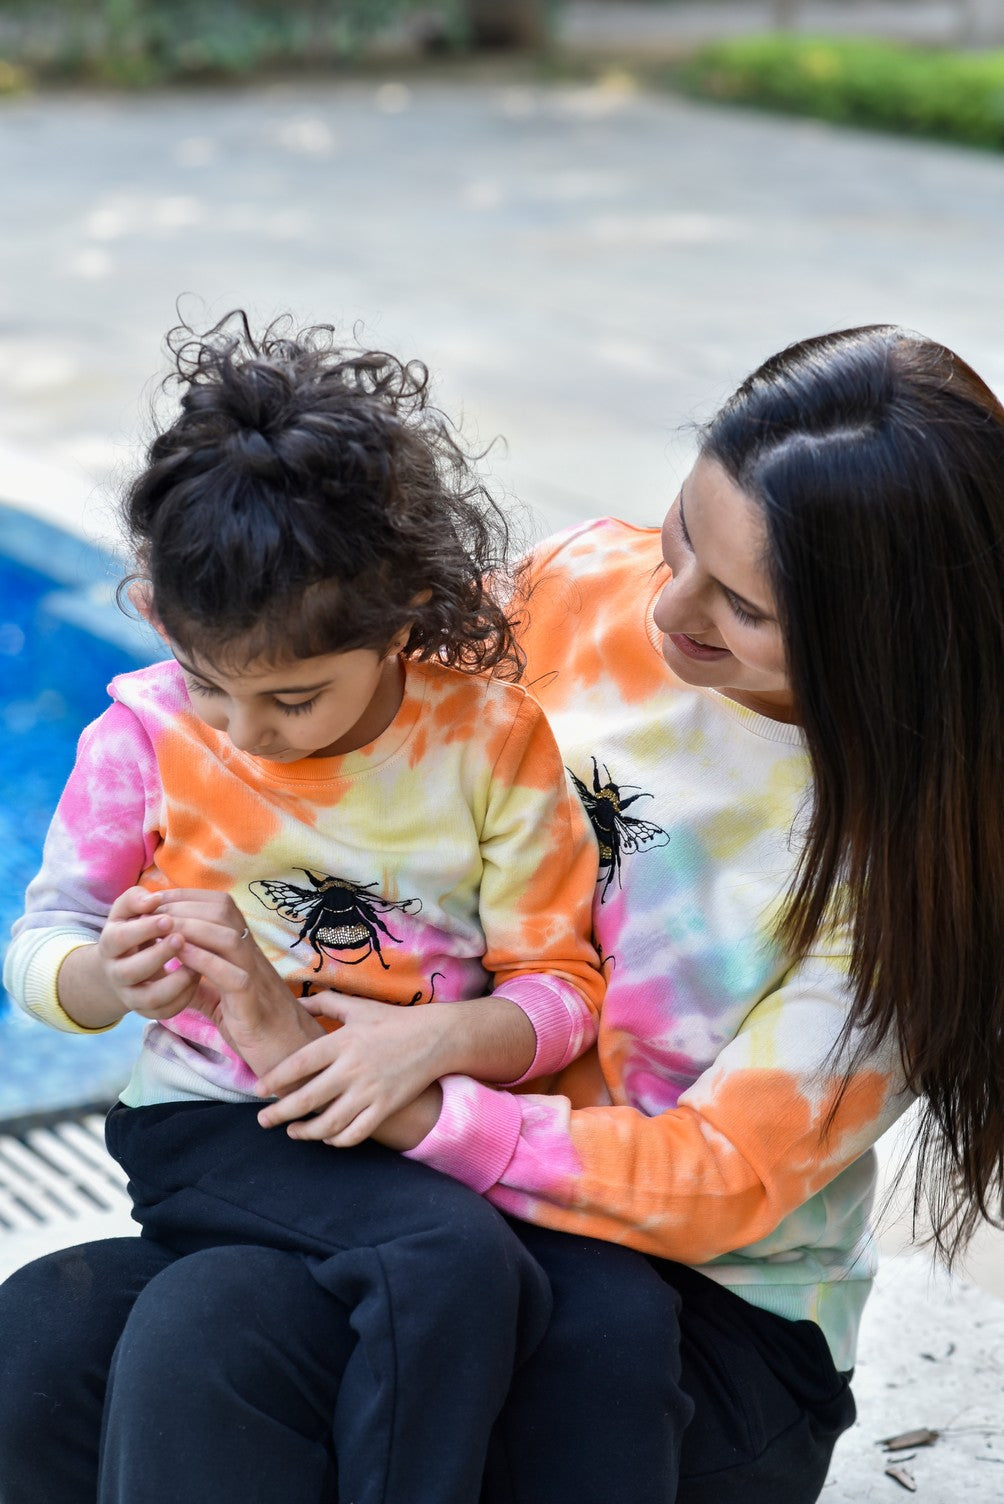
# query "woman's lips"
(691, 648)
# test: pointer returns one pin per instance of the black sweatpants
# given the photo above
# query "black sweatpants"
(290, 1305)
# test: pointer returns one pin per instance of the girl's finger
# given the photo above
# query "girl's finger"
(120, 936)
(133, 969)
(166, 995)
(328, 1124)
(356, 1132)
(328, 1005)
(306, 1062)
(311, 1096)
(132, 903)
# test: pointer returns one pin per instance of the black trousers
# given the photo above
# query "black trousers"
(315, 1326)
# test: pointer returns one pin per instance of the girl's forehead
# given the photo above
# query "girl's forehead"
(272, 673)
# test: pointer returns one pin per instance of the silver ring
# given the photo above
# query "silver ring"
(245, 932)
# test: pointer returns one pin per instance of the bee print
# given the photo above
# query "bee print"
(336, 915)
(615, 831)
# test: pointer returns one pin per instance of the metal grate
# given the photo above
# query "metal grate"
(58, 1187)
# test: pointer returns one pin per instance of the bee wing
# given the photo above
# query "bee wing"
(287, 899)
(585, 794)
(636, 834)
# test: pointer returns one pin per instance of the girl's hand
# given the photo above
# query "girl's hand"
(135, 951)
(355, 1079)
(247, 1000)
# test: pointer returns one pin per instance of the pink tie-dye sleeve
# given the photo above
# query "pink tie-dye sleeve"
(104, 832)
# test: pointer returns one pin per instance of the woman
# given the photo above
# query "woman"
(801, 924)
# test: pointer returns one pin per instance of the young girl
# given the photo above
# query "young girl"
(323, 791)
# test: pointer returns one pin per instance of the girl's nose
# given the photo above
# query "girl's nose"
(244, 730)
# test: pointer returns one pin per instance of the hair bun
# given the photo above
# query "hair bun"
(254, 452)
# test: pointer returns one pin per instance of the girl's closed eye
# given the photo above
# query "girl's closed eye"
(299, 707)
(195, 686)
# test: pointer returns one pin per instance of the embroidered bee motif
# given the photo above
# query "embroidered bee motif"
(336, 914)
(615, 831)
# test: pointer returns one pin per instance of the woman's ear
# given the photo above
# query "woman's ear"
(140, 594)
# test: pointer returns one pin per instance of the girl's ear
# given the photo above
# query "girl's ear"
(140, 595)
(398, 643)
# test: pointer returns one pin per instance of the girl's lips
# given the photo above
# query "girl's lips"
(691, 648)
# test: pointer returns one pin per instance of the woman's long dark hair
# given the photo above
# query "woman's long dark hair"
(309, 499)
(877, 457)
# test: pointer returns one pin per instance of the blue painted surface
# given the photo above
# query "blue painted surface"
(62, 638)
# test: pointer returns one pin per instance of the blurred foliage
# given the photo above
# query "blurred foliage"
(957, 96)
(138, 42)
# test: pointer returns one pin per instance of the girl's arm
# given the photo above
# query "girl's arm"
(102, 837)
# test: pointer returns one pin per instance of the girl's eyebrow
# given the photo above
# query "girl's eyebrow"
(294, 689)
(743, 600)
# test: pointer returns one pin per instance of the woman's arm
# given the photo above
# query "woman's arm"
(747, 1144)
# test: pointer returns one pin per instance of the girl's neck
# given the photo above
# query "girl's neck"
(379, 713)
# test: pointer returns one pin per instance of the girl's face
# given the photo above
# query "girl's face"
(717, 614)
(303, 707)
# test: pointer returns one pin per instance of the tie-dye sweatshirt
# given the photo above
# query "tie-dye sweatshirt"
(448, 855)
(694, 1129)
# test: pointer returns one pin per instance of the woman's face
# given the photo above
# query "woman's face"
(717, 614)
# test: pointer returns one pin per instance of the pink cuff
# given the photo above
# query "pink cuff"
(476, 1134)
(562, 1021)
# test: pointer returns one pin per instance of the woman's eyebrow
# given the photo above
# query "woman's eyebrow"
(743, 600)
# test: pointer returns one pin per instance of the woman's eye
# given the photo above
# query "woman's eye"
(299, 708)
(741, 614)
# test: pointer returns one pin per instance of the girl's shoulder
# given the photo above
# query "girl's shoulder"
(474, 704)
(158, 690)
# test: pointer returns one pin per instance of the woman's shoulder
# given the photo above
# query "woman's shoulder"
(586, 549)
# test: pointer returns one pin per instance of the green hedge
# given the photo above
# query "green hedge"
(957, 96)
(137, 42)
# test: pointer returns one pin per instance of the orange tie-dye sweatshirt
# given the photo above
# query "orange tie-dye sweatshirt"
(694, 1130)
(447, 857)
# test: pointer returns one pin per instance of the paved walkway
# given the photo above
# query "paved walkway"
(630, 28)
(589, 270)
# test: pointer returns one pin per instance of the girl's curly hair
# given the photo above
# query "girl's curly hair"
(309, 499)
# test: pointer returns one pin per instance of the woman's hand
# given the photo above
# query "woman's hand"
(245, 998)
(343, 1086)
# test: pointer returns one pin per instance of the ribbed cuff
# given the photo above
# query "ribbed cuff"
(550, 1004)
(38, 992)
(476, 1135)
